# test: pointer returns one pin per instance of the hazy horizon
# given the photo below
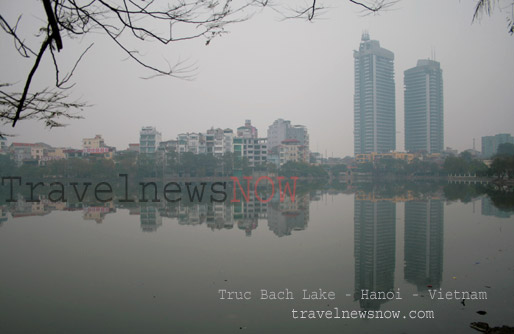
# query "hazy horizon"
(266, 68)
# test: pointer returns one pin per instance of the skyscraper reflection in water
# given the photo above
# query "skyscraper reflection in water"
(374, 247)
(424, 238)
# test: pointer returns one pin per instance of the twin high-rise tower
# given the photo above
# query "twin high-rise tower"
(374, 99)
(424, 108)
(375, 108)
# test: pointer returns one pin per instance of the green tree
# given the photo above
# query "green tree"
(466, 156)
(126, 162)
(477, 167)
(337, 169)
(7, 165)
(390, 166)
(503, 167)
(455, 165)
(302, 169)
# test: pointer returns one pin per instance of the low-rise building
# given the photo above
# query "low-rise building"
(247, 131)
(255, 150)
(191, 142)
(149, 139)
(100, 152)
(96, 147)
(3, 145)
(293, 150)
(374, 156)
(21, 153)
(91, 143)
(73, 153)
(53, 154)
(133, 147)
(219, 141)
(281, 130)
(315, 158)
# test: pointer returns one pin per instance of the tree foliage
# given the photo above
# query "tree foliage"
(464, 164)
(503, 166)
(302, 169)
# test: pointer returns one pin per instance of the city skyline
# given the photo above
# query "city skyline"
(267, 69)
(216, 141)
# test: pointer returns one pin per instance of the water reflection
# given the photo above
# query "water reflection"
(150, 218)
(3, 214)
(489, 209)
(285, 216)
(374, 246)
(98, 212)
(424, 233)
(174, 256)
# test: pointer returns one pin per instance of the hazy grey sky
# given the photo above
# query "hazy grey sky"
(266, 69)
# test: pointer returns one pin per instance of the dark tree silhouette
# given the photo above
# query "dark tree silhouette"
(124, 22)
(488, 6)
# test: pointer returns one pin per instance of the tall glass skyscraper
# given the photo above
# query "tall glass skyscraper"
(374, 99)
(424, 117)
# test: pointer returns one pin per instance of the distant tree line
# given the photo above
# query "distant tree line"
(397, 167)
(502, 166)
(204, 165)
(169, 164)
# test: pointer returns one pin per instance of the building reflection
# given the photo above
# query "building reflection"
(248, 213)
(98, 212)
(220, 216)
(150, 218)
(489, 209)
(374, 247)
(22, 208)
(424, 238)
(375, 244)
(287, 216)
(3, 214)
(283, 217)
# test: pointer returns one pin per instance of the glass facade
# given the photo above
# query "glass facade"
(374, 98)
(424, 111)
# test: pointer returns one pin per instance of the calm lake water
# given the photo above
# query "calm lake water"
(105, 268)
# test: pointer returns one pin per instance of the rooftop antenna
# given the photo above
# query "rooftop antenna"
(432, 53)
(365, 35)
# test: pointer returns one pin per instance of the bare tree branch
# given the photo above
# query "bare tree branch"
(125, 22)
(55, 35)
(59, 83)
(29, 80)
(20, 46)
(372, 8)
(481, 7)
(487, 7)
(47, 106)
